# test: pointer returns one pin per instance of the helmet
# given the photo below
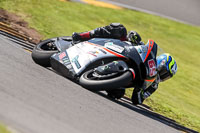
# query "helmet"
(166, 66)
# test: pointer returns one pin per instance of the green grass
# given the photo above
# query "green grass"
(177, 98)
(3, 129)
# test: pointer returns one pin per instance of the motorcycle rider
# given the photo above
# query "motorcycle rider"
(114, 30)
(166, 68)
(166, 65)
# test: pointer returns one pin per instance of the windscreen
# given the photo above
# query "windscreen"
(147, 50)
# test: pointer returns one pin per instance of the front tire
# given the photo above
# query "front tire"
(87, 81)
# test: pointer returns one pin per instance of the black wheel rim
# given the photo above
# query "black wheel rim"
(92, 75)
(48, 46)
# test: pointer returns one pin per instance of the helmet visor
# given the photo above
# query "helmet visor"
(164, 74)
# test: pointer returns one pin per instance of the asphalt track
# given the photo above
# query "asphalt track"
(34, 99)
(186, 11)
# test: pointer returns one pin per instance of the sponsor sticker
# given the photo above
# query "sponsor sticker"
(66, 61)
(76, 62)
(94, 53)
(101, 50)
(62, 55)
(112, 46)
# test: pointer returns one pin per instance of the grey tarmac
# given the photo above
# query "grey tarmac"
(34, 99)
(186, 11)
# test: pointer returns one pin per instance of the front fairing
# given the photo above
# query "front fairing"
(79, 57)
(148, 55)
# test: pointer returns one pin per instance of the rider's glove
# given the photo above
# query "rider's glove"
(134, 37)
(76, 37)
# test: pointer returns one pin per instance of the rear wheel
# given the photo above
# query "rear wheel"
(43, 51)
(92, 82)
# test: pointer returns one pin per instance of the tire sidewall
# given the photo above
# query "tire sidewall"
(107, 84)
(42, 57)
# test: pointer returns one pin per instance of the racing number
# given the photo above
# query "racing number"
(152, 67)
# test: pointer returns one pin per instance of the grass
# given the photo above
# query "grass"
(177, 98)
(3, 129)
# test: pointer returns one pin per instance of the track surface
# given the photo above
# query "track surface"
(187, 11)
(34, 99)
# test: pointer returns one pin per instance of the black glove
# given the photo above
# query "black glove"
(134, 37)
(76, 38)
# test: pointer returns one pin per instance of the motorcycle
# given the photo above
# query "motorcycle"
(100, 64)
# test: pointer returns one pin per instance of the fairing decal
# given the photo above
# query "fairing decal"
(110, 51)
(151, 43)
(84, 53)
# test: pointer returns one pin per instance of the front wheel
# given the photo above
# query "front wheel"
(89, 81)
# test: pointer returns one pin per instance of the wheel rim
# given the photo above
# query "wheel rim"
(92, 75)
(49, 46)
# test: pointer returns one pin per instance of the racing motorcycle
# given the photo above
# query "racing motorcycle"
(99, 63)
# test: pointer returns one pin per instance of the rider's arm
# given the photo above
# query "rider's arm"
(114, 30)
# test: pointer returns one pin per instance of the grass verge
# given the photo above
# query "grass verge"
(3, 129)
(177, 98)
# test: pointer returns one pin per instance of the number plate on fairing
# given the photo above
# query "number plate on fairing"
(152, 68)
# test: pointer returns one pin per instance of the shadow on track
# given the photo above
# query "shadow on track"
(144, 110)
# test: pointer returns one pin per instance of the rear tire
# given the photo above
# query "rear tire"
(105, 84)
(41, 56)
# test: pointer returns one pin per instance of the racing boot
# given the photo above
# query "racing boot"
(139, 96)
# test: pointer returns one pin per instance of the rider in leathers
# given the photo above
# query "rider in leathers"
(118, 31)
